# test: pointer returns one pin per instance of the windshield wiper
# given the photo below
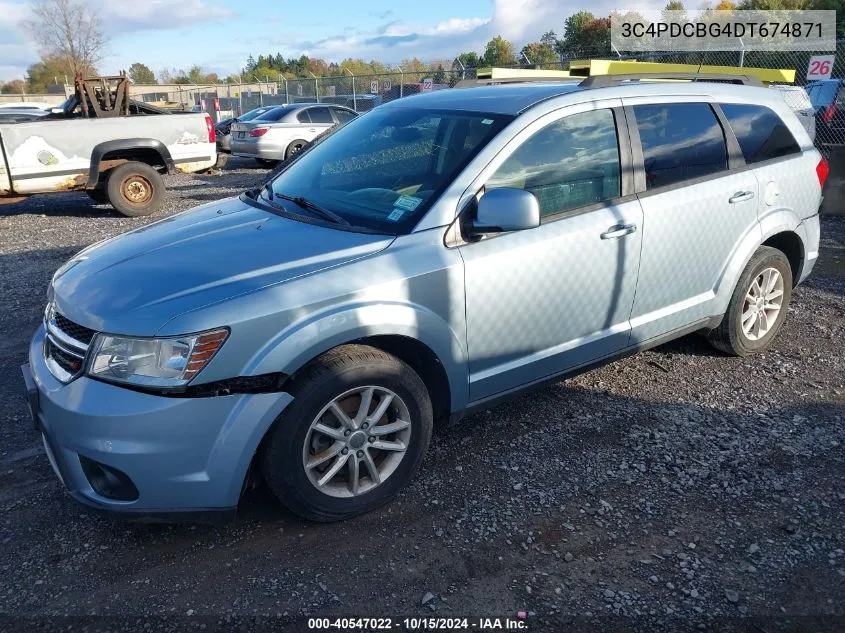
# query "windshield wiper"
(305, 203)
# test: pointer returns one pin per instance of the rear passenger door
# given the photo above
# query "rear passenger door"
(696, 210)
(769, 147)
(321, 120)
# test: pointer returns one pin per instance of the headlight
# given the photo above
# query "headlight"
(153, 362)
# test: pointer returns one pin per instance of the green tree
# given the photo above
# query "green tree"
(836, 5)
(572, 28)
(539, 53)
(141, 74)
(439, 76)
(499, 52)
(14, 87)
(469, 60)
(47, 72)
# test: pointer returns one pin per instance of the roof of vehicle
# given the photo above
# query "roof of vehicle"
(518, 97)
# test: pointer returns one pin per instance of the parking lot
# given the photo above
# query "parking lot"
(676, 488)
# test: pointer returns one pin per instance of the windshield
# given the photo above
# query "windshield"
(383, 170)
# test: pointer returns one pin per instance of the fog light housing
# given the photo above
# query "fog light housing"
(107, 481)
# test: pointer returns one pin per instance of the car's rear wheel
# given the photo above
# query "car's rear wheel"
(352, 438)
(295, 147)
(135, 189)
(758, 305)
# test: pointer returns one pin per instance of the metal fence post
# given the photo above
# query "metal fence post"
(287, 94)
(354, 95)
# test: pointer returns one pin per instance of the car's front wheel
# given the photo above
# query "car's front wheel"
(354, 435)
(758, 305)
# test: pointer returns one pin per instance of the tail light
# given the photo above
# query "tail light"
(212, 135)
(259, 131)
(822, 170)
(829, 112)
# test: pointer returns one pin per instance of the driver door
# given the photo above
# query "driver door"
(549, 299)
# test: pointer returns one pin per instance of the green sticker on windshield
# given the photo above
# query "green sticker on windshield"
(396, 215)
(408, 203)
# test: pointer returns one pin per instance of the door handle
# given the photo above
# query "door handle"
(618, 230)
(741, 196)
(312, 130)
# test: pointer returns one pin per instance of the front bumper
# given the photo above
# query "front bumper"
(182, 454)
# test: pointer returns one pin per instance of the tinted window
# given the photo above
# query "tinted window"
(343, 116)
(681, 141)
(320, 115)
(761, 133)
(303, 117)
(569, 163)
(271, 116)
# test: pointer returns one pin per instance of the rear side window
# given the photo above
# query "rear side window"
(570, 163)
(320, 115)
(303, 117)
(761, 133)
(680, 141)
(343, 115)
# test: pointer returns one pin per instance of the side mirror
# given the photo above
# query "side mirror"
(506, 209)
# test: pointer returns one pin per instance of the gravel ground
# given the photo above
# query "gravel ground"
(679, 489)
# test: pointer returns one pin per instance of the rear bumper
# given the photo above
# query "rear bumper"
(265, 150)
(183, 455)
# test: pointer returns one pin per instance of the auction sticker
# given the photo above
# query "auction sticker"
(408, 203)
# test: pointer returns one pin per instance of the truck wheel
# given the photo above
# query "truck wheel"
(758, 306)
(295, 147)
(135, 189)
(352, 438)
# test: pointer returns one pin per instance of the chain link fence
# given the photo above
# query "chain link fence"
(365, 92)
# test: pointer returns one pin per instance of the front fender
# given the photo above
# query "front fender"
(304, 340)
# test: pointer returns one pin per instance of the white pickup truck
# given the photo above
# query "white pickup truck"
(115, 159)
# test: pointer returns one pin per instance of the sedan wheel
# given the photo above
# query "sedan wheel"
(763, 302)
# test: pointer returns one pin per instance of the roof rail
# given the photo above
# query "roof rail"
(472, 83)
(604, 81)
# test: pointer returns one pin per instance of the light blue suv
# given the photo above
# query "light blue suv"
(423, 261)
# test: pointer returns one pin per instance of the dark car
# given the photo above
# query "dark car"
(828, 99)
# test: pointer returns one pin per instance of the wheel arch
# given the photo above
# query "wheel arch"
(112, 153)
(415, 335)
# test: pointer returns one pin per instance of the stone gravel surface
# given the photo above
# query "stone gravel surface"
(678, 489)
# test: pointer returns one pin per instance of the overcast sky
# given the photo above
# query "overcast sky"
(220, 35)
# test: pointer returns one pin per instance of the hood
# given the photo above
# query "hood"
(136, 282)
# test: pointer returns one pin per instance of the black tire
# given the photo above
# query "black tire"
(314, 387)
(295, 147)
(135, 189)
(729, 336)
(265, 162)
(98, 195)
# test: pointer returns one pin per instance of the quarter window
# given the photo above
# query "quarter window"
(303, 117)
(568, 164)
(680, 141)
(761, 133)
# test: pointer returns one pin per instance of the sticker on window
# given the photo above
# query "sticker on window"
(396, 215)
(407, 203)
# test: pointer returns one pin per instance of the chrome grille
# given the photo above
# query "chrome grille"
(66, 345)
